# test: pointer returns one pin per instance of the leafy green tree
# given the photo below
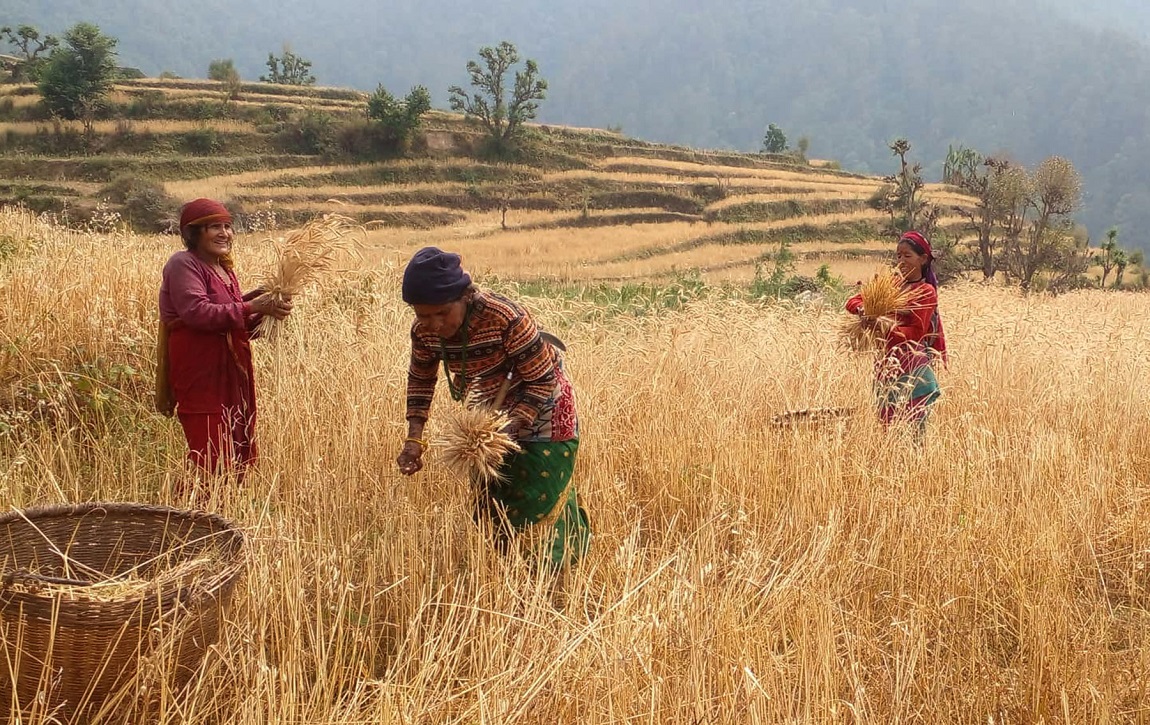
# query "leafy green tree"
(78, 76)
(501, 107)
(775, 141)
(288, 69)
(1121, 259)
(803, 146)
(398, 117)
(224, 71)
(29, 44)
(1107, 254)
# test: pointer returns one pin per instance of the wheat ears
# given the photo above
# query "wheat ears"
(305, 256)
(883, 297)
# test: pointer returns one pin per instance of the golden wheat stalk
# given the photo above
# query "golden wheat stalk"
(474, 442)
(305, 256)
(883, 297)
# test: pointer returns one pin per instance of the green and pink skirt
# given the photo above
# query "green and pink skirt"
(535, 501)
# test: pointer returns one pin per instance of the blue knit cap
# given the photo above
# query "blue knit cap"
(434, 277)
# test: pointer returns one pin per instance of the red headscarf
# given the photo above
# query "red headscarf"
(203, 211)
(937, 337)
(200, 212)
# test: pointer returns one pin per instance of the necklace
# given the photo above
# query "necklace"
(457, 393)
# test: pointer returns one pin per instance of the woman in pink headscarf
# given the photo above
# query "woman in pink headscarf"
(905, 382)
(205, 374)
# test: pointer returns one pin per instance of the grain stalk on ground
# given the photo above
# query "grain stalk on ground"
(739, 572)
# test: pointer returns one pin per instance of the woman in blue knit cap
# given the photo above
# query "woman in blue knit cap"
(484, 340)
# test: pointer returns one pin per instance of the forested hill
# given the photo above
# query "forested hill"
(997, 75)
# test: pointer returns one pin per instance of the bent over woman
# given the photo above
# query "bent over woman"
(905, 383)
(205, 373)
(482, 339)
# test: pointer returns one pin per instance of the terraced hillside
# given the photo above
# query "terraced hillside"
(589, 205)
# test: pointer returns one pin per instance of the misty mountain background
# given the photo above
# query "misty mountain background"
(1030, 78)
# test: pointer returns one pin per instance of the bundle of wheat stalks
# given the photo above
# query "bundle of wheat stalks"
(474, 442)
(305, 255)
(883, 298)
(124, 587)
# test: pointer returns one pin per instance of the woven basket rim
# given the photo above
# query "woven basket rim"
(227, 572)
(812, 415)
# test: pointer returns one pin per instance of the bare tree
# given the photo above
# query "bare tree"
(29, 44)
(997, 189)
(902, 199)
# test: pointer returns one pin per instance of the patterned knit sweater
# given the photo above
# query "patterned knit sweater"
(501, 337)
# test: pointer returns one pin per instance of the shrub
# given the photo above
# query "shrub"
(309, 132)
(203, 141)
(145, 105)
(364, 140)
(398, 118)
(145, 205)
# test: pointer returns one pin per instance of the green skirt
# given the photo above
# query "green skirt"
(534, 500)
(907, 397)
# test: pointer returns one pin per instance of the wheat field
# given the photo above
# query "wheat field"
(740, 573)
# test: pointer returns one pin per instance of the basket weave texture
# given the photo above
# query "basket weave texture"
(71, 654)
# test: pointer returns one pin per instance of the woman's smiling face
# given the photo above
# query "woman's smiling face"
(910, 262)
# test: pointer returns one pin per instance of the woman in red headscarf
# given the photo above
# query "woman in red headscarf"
(205, 372)
(905, 382)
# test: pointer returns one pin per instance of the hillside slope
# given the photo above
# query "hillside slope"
(998, 75)
(583, 204)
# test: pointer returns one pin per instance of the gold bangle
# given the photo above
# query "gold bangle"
(420, 441)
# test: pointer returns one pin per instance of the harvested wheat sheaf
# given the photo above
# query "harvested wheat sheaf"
(474, 442)
(883, 297)
(306, 255)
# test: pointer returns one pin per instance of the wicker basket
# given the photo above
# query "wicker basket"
(70, 653)
(811, 417)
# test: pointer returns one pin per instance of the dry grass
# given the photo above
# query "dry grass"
(21, 101)
(221, 187)
(562, 253)
(799, 195)
(739, 572)
(738, 172)
(799, 182)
